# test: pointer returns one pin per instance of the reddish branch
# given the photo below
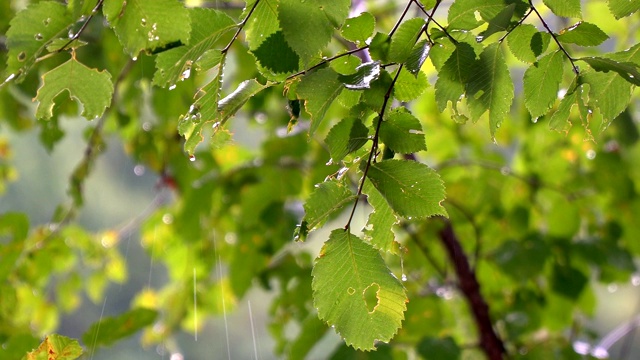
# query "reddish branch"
(490, 343)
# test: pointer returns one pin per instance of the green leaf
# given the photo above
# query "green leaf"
(523, 259)
(568, 281)
(583, 34)
(17, 226)
(498, 23)
(379, 47)
(462, 13)
(231, 103)
(527, 43)
(412, 189)
(454, 75)
(609, 92)
(362, 78)
(418, 56)
(147, 24)
(109, 330)
(207, 25)
(402, 132)
(560, 119)
(404, 39)
(355, 292)
(56, 347)
(541, 84)
(92, 88)
(309, 25)
(358, 29)
(326, 200)
(319, 89)
(263, 23)
(379, 229)
(565, 8)
(276, 55)
(622, 8)
(30, 31)
(490, 87)
(409, 87)
(628, 70)
(345, 137)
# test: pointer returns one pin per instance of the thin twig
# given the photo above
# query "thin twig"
(327, 60)
(518, 24)
(553, 35)
(374, 146)
(431, 19)
(83, 27)
(240, 27)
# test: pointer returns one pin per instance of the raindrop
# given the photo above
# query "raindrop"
(185, 74)
(216, 125)
(479, 38)
(329, 163)
(71, 34)
(535, 119)
(612, 288)
(22, 56)
(404, 277)
(341, 173)
(591, 154)
(192, 158)
(138, 170)
(143, 21)
(46, 21)
(146, 126)
(10, 77)
(172, 87)
(135, 58)
(562, 93)
(39, 37)
(167, 218)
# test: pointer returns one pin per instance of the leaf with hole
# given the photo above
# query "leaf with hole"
(319, 89)
(355, 292)
(92, 88)
(358, 29)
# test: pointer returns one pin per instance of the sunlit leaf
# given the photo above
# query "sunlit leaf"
(326, 199)
(404, 39)
(454, 74)
(230, 104)
(31, 30)
(345, 137)
(412, 189)
(308, 25)
(409, 87)
(56, 347)
(462, 14)
(622, 8)
(498, 23)
(566, 8)
(628, 70)
(541, 83)
(379, 229)
(360, 28)
(418, 56)
(319, 89)
(263, 23)
(402, 132)
(490, 87)
(147, 24)
(355, 292)
(92, 88)
(207, 25)
(583, 34)
(439, 349)
(527, 43)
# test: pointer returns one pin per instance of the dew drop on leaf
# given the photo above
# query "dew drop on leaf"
(39, 37)
(46, 21)
(404, 277)
(479, 38)
(192, 158)
(143, 22)
(22, 56)
(172, 87)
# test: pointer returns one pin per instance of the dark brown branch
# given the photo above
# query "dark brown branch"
(555, 38)
(490, 342)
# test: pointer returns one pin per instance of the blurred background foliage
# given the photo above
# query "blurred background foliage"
(548, 219)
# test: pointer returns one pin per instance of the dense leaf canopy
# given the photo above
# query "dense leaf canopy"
(439, 240)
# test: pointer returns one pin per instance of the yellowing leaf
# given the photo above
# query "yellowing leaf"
(92, 88)
(355, 292)
(56, 347)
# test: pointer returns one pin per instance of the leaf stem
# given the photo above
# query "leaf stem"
(83, 27)
(374, 146)
(553, 35)
(518, 24)
(240, 27)
(327, 60)
(431, 19)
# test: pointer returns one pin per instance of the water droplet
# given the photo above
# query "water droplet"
(138, 170)
(341, 173)
(192, 158)
(591, 154)
(216, 125)
(135, 58)
(10, 77)
(172, 87)
(185, 74)
(535, 119)
(404, 277)
(39, 37)
(143, 22)
(330, 162)
(22, 56)
(612, 288)
(46, 21)
(167, 218)
(479, 38)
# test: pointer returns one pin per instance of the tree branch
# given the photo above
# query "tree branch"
(490, 342)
